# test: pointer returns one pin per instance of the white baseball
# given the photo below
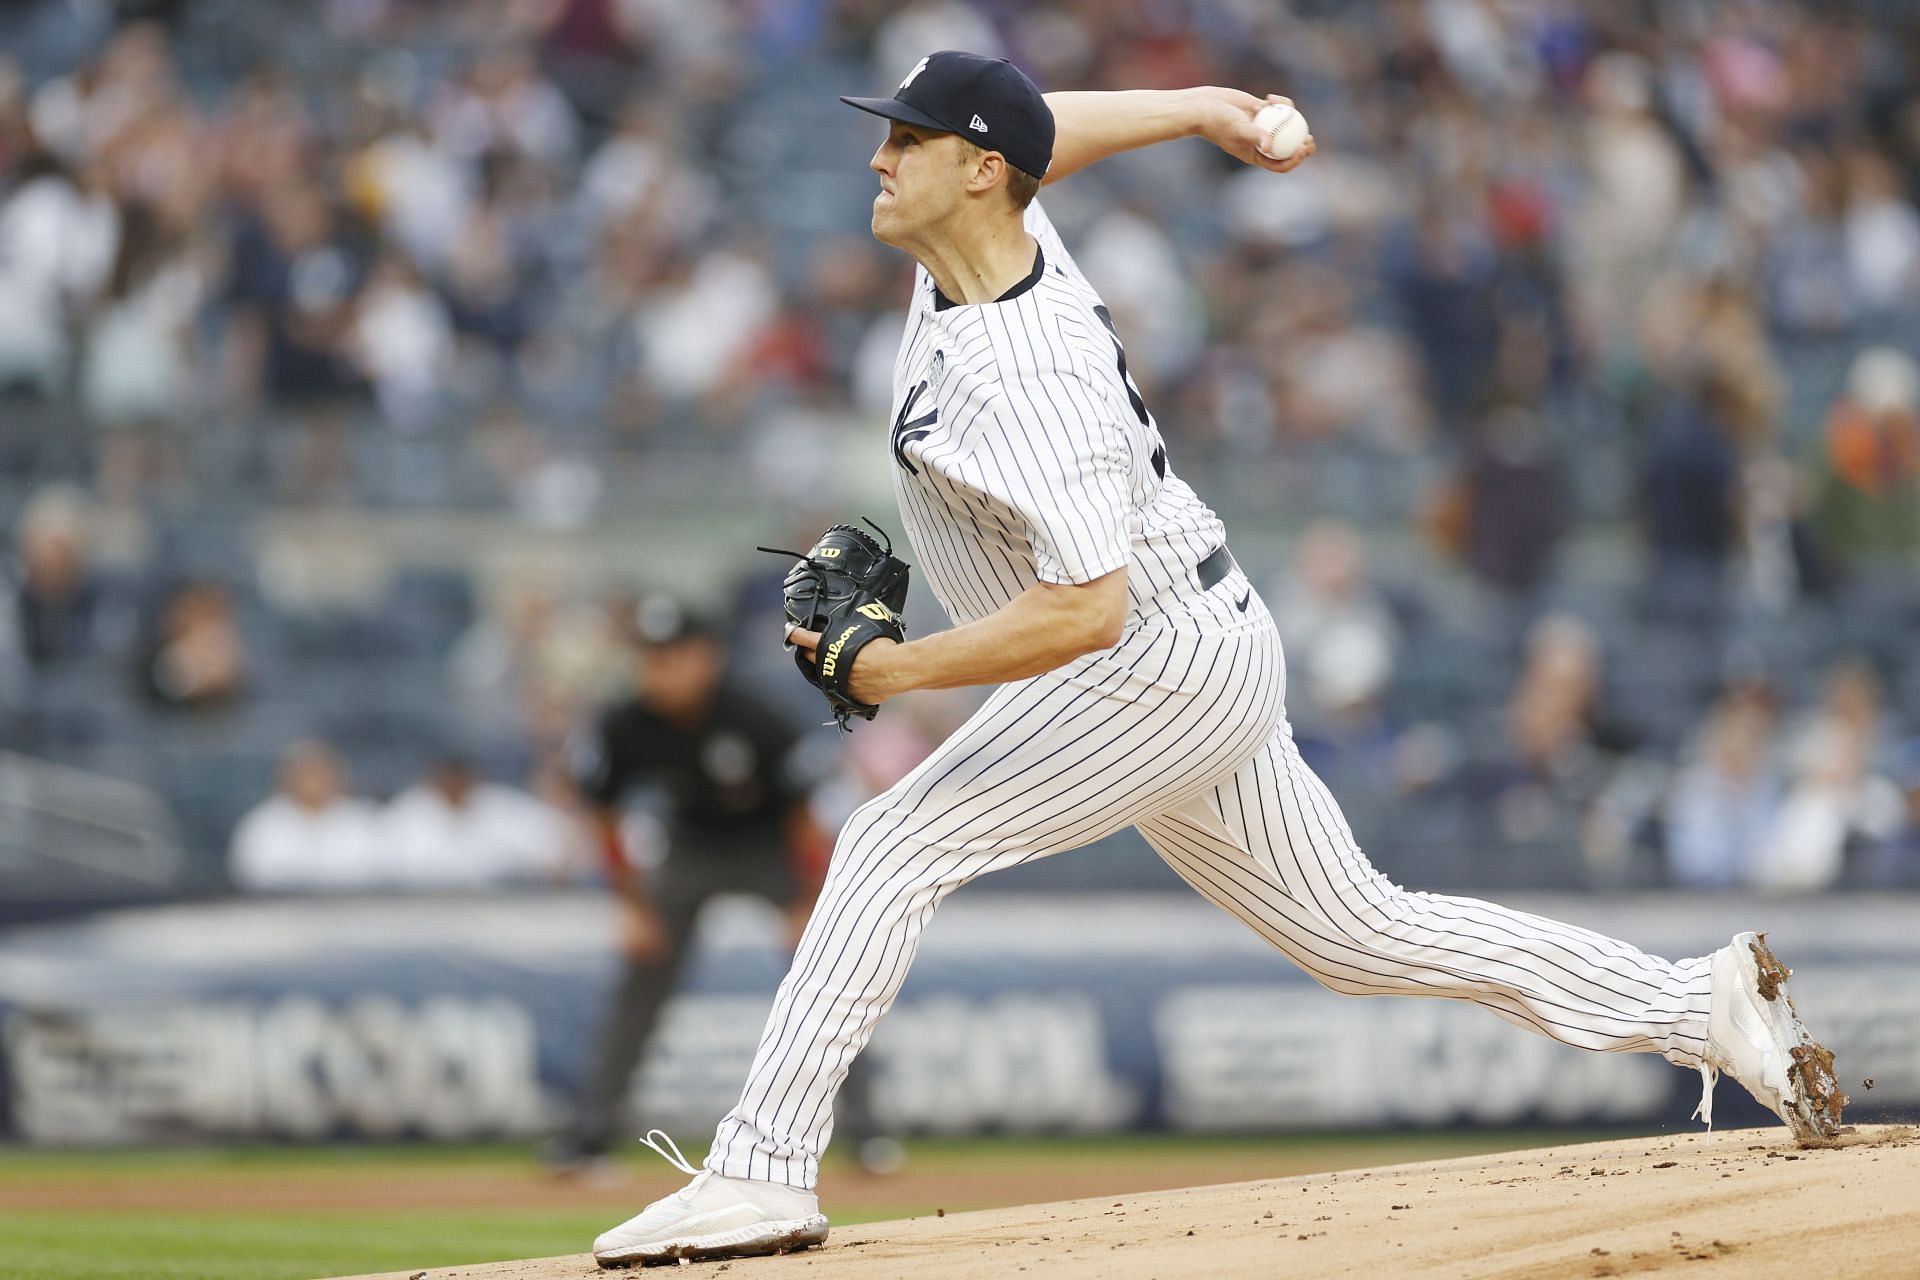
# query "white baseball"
(1283, 130)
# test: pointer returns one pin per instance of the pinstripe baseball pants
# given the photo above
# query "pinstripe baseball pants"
(1180, 732)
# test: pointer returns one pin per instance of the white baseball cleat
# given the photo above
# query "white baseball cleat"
(713, 1217)
(1755, 1036)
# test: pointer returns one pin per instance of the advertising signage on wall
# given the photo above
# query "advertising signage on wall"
(461, 1019)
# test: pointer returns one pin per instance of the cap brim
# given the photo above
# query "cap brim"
(894, 109)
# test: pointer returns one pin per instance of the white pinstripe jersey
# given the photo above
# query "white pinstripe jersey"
(1022, 449)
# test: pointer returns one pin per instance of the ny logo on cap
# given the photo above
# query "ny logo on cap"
(977, 124)
(918, 67)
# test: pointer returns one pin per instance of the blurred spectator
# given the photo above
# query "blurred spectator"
(1784, 563)
(1341, 640)
(1894, 859)
(421, 195)
(1554, 714)
(195, 659)
(638, 173)
(1501, 512)
(1692, 492)
(1335, 375)
(911, 31)
(1867, 509)
(1634, 199)
(402, 343)
(15, 133)
(1837, 800)
(310, 834)
(59, 232)
(534, 660)
(1883, 233)
(1706, 336)
(700, 318)
(495, 668)
(140, 350)
(452, 830)
(505, 105)
(294, 277)
(576, 259)
(54, 609)
(1852, 710)
(1560, 745)
(1724, 799)
(1143, 281)
(1446, 286)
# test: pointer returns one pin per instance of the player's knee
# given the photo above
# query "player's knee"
(882, 835)
(859, 831)
(871, 833)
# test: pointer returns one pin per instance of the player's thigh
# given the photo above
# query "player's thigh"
(1063, 759)
(1235, 846)
(1272, 818)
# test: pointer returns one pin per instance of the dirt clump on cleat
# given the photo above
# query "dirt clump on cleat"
(1817, 1100)
(1773, 974)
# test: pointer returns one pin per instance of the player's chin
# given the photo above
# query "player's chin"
(886, 219)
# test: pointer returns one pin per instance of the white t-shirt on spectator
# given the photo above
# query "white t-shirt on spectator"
(281, 845)
(499, 835)
(56, 248)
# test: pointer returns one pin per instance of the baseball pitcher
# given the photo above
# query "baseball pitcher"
(1139, 681)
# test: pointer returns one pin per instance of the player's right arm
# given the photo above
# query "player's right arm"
(1090, 126)
(1045, 627)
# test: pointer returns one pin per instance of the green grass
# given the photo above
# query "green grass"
(1381, 1146)
(251, 1244)
(276, 1246)
(267, 1159)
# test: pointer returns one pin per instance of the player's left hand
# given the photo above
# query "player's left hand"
(863, 681)
(1227, 122)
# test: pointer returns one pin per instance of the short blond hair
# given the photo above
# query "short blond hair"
(1022, 186)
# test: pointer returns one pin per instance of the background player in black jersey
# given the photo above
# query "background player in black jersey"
(731, 773)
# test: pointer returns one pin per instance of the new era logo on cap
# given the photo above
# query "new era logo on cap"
(956, 92)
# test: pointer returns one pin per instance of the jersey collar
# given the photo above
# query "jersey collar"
(942, 302)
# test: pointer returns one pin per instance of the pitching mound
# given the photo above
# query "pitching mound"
(1739, 1201)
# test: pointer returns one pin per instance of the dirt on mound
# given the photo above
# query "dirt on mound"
(1740, 1201)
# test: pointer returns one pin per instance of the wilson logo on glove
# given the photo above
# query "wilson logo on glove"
(831, 662)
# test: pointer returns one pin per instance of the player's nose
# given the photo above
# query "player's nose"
(882, 160)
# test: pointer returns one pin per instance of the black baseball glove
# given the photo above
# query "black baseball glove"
(850, 589)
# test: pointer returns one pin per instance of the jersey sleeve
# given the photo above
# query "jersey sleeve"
(1050, 454)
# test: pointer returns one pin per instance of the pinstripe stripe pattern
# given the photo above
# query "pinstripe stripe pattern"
(1040, 463)
(1047, 764)
(1269, 846)
(1181, 733)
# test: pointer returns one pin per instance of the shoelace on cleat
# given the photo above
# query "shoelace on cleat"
(1709, 1076)
(669, 1150)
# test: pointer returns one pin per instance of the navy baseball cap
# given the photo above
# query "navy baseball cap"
(988, 101)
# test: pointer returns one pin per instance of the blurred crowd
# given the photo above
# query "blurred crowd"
(1576, 371)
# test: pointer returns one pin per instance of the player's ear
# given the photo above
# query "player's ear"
(989, 171)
